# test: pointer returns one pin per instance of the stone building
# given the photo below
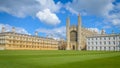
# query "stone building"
(17, 41)
(76, 35)
(104, 42)
(62, 45)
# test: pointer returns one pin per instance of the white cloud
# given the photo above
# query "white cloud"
(116, 21)
(44, 4)
(88, 6)
(8, 28)
(48, 17)
(94, 29)
(23, 8)
(106, 27)
(102, 8)
(19, 8)
(57, 33)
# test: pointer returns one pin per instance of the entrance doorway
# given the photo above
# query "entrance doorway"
(73, 47)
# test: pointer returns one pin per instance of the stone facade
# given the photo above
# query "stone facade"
(76, 35)
(16, 41)
(62, 45)
(104, 42)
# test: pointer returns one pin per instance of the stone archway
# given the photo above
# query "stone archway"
(73, 47)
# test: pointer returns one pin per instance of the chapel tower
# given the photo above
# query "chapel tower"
(76, 35)
(73, 34)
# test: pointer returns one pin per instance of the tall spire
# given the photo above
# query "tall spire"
(68, 33)
(79, 20)
(79, 33)
(68, 21)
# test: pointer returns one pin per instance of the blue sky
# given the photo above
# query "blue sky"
(48, 17)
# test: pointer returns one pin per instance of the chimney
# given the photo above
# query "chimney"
(36, 33)
(103, 31)
(13, 29)
(47, 36)
(3, 29)
(113, 32)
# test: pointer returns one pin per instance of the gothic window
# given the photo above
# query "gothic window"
(73, 36)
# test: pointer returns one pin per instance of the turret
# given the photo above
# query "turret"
(3, 29)
(102, 31)
(68, 33)
(36, 33)
(79, 32)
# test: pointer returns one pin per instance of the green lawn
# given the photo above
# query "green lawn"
(59, 59)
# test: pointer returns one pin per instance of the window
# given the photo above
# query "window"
(100, 43)
(114, 42)
(9, 45)
(114, 38)
(92, 42)
(104, 38)
(73, 36)
(105, 42)
(20, 46)
(96, 43)
(109, 43)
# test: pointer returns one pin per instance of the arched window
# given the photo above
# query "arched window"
(73, 36)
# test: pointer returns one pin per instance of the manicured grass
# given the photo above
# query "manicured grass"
(59, 59)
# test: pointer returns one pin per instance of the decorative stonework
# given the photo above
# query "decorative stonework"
(73, 32)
